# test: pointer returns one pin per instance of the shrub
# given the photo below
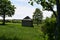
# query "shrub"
(48, 27)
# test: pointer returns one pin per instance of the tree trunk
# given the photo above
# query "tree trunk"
(3, 18)
(37, 22)
(57, 32)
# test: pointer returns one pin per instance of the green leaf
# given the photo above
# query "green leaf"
(32, 3)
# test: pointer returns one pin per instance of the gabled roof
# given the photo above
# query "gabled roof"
(27, 17)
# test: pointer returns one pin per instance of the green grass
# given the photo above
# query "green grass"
(14, 31)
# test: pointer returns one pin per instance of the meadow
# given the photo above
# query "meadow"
(14, 31)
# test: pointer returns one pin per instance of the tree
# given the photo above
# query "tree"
(37, 17)
(57, 32)
(48, 5)
(6, 9)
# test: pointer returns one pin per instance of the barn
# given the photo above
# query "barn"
(27, 21)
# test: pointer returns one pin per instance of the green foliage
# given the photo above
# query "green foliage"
(49, 27)
(12, 21)
(6, 7)
(49, 5)
(16, 21)
(37, 17)
(45, 3)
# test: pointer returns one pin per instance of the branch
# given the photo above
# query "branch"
(52, 9)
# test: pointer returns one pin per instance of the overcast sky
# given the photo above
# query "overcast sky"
(23, 9)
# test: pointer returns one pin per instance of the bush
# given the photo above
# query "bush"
(48, 27)
(16, 21)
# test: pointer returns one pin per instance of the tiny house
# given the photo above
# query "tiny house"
(27, 21)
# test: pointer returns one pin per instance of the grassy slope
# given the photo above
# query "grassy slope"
(15, 30)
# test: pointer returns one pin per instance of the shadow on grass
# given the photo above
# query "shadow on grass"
(4, 24)
(4, 38)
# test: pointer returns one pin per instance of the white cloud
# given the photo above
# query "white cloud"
(21, 12)
(46, 14)
(22, 0)
(26, 10)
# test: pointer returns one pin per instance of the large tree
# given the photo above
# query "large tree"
(49, 5)
(6, 9)
(46, 4)
(37, 17)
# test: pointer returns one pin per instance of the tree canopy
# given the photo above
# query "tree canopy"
(6, 8)
(49, 5)
(37, 17)
(46, 4)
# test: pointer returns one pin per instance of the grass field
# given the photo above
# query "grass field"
(14, 31)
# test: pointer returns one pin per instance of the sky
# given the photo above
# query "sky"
(23, 9)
